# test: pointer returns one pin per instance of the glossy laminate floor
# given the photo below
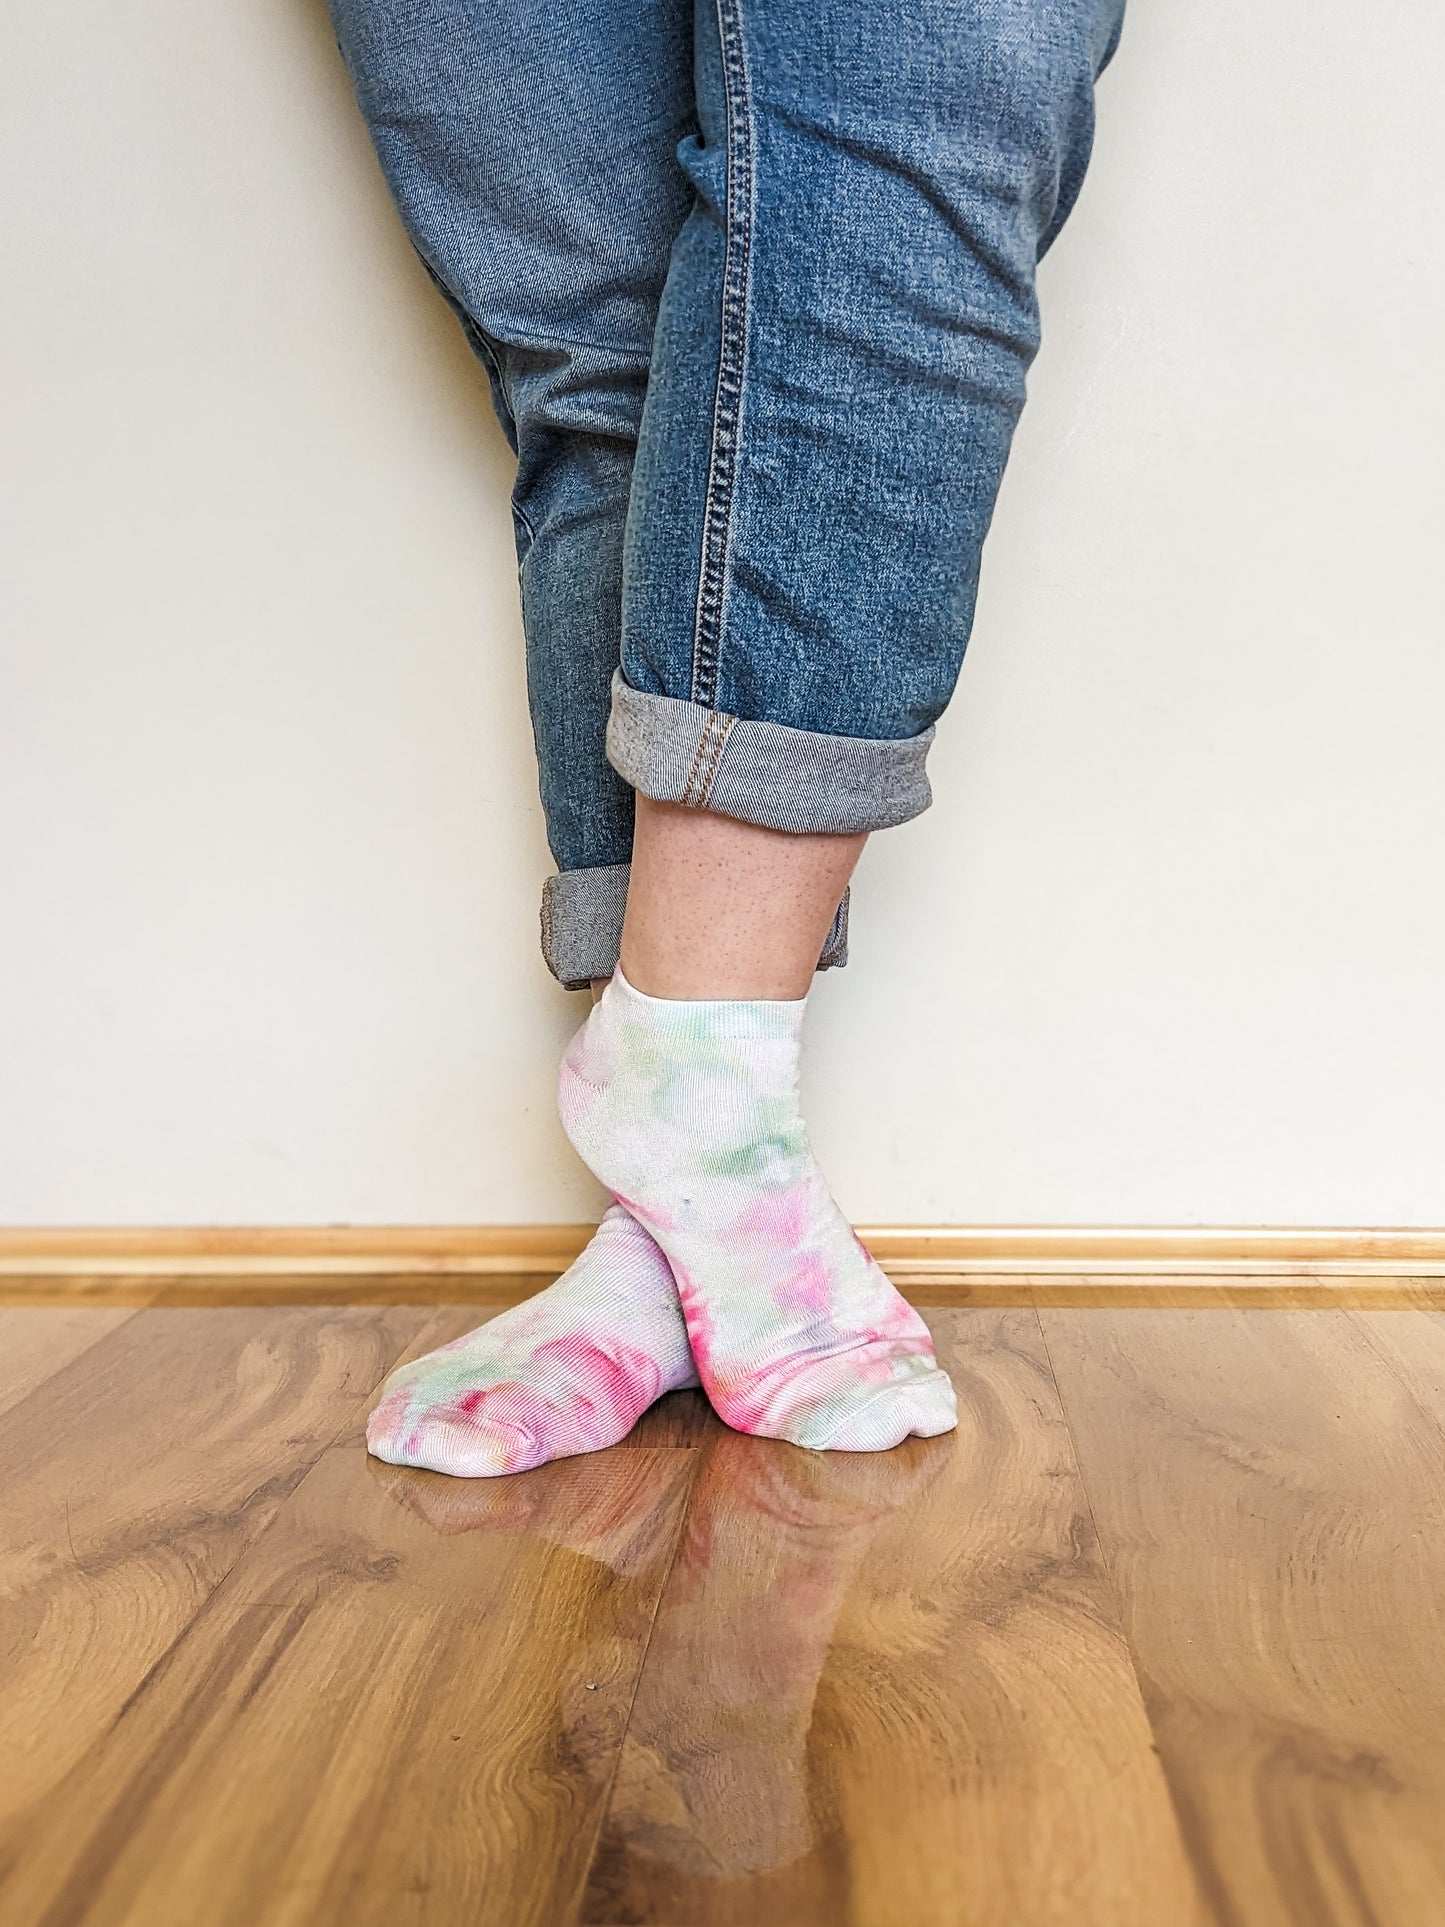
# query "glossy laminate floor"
(1157, 1637)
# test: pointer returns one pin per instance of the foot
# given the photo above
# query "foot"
(689, 1113)
(571, 1370)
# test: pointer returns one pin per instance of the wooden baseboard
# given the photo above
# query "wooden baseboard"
(536, 1250)
(497, 1263)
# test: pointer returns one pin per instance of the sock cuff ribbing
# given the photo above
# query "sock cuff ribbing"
(697, 1020)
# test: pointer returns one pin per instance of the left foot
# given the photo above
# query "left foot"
(571, 1370)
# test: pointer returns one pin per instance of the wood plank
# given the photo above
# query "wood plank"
(892, 1689)
(37, 1341)
(1330, 1291)
(1269, 1496)
(192, 1290)
(134, 1479)
(1414, 1350)
(402, 1708)
(51, 1291)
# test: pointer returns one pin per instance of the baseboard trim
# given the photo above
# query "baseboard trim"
(941, 1254)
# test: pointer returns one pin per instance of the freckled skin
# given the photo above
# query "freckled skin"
(689, 1111)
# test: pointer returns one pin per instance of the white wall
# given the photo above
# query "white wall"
(1171, 946)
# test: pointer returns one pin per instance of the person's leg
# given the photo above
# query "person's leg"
(532, 153)
(839, 363)
(720, 908)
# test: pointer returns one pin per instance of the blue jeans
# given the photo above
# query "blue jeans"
(754, 282)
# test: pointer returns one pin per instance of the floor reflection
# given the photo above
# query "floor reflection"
(713, 1779)
(603, 1506)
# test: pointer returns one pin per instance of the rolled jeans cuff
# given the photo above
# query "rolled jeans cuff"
(765, 773)
(582, 925)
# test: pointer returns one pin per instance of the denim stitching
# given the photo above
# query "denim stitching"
(703, 734)
(732, 351)
(714, 762)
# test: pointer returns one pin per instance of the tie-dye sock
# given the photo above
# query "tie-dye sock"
(571, 1370)
(689, 1113)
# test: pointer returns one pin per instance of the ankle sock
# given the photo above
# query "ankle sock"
(571, 1370)
(689, 1113)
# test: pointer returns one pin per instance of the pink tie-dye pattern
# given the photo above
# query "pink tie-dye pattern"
(619, 1382)
(650, 1215)
(689, 1112)
(571, 1370)
(809, 1285)
(781, 1217)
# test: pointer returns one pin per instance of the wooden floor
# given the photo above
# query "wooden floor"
(1157, 1637)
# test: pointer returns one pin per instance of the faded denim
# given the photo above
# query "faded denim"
(755, 287)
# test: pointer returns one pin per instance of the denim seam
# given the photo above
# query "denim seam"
(698, 748)
(732, 357)
(722, 729)
(772, 774)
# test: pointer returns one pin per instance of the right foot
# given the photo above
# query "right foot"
(688, 1112)
(571, 1370)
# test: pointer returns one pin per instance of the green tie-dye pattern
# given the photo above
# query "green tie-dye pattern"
(571, 1370)
(689, 1112)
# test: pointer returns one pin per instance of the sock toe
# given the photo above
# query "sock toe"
(470, 1446)
(921, 1408)
(567, 1372)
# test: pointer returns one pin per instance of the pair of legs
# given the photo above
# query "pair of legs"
(755, 288)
